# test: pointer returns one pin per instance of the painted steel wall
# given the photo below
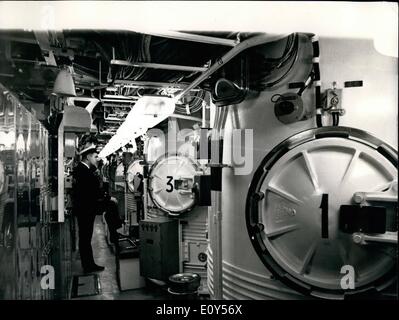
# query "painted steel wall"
(8, 272)
(29, 239)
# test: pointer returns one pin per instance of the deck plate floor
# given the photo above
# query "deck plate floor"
(104, 256)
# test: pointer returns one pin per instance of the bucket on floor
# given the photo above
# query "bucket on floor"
(128, 265)
(184, 286)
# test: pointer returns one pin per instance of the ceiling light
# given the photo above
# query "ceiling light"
(145, 114)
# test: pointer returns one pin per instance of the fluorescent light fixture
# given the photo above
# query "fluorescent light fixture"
(147, 112)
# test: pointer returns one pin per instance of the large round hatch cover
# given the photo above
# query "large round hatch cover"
(171, 180)
(294, 208)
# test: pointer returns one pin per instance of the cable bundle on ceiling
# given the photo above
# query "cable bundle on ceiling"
(262, 68)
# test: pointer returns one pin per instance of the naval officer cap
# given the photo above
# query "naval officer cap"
(88, 148)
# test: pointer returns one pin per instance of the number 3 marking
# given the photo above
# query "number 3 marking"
(169, 184)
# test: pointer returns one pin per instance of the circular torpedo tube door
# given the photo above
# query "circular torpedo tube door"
(134, 168)
(170, 183)
(322, 208)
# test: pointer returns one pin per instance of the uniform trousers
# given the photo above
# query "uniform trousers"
(86, 226)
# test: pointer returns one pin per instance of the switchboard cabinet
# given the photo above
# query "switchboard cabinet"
(159, 248)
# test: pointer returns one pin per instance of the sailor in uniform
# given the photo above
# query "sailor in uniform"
(87, 193)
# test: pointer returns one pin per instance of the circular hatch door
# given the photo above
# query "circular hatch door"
(296, 204)
(171, 181)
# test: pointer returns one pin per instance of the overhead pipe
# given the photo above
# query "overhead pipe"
(158, 66)
(151, 84)
(112, 96)
(193, 37)
(120, 100)
(182, 116)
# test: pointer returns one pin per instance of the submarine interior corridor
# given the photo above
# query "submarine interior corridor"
(197, 165)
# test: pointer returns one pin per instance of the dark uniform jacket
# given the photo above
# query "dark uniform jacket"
(86, 190)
